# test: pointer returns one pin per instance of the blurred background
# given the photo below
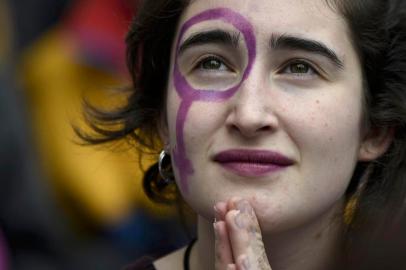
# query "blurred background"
(65, 206)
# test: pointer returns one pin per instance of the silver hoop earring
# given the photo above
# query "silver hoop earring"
(165, 168)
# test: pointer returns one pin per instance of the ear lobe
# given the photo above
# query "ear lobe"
(375, 143)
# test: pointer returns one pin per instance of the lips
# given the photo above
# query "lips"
(252, 163)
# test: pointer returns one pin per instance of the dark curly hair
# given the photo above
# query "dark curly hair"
(378, 32)
(148, 42)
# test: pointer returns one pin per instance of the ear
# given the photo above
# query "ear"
(375, 143)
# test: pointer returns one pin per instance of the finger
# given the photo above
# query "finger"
(223, 253)
(236, 223)
(232, 203)
(220, 210)
(245, 236)
(243, 263)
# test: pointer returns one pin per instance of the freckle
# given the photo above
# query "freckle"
(330, 139)
(325, 124)
(318, 101)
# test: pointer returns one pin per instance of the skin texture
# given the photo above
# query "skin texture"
(291, 101)
(189, 94)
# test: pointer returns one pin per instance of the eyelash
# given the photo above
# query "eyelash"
(209, 58)
(310, 72)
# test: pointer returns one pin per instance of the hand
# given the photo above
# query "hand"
(238, 239)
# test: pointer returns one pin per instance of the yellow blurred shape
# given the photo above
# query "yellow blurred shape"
(104, 186)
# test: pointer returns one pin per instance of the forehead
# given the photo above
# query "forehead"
(303, 18)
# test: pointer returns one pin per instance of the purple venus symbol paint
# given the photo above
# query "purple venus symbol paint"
(188, 94)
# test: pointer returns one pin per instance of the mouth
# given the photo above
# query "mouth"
(252, 163)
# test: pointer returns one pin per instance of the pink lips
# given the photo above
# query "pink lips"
(252, 163)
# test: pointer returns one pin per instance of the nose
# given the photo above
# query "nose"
(252, 109)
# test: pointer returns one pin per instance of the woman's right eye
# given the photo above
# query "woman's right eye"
(212, 72)
(212, 64)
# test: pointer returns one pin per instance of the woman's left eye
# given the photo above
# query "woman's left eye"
(299, 68)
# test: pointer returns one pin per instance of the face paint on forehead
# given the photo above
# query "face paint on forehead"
(188, 94)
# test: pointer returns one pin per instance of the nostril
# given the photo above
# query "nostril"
(250, 130)
(249, 121)
(235, 128)
(265, 128)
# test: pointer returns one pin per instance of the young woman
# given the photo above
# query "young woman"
(284, 122)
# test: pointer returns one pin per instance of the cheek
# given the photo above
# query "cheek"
(172, 107)
(326, 137)
(328, 126)
(329, 144)
(203, 122)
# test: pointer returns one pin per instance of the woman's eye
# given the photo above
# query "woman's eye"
(213, 63)
(299, 69)
(212, 72)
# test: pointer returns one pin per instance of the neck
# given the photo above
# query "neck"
(315, 246)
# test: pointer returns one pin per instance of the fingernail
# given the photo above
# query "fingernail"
(244, 206)
(240, 220)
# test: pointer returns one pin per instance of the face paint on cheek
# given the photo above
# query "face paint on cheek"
(188, 94)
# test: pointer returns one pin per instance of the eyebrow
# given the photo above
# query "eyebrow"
(280, 42)
(216, 36)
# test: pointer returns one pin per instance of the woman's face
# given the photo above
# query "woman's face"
(265, 103)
